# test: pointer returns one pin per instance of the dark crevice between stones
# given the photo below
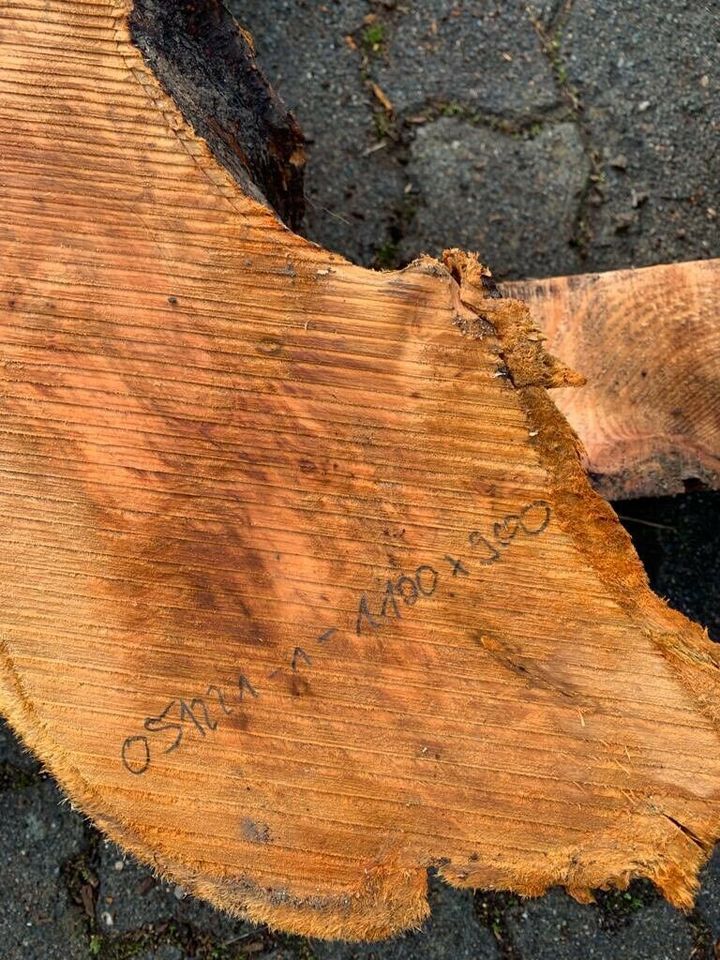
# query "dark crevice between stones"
(299, 947)
(614, 909)
(550, 37)
(394, 134)
(80, 878)
(183, 936)
(529, 124)
(130, 944)
(618, 908)
(704, 944)
(13, 778)
(558, 14)
(396, 131)
(206, 63)
(169, 932)
(491, 907)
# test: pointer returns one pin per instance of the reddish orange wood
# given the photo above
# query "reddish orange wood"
(303, 587)
(648, 342)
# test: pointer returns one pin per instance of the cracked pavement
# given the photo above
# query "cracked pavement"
(589, 127)
(553, 137)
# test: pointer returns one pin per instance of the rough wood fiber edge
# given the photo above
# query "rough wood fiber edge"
(612, 708)
(648, 343)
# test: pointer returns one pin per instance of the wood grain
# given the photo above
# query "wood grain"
(648, 342)
(303, 587)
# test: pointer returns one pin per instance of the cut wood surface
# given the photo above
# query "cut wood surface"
(304, 589)
(648, 342)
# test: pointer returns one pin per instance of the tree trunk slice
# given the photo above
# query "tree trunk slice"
(304, 589)
(648, 342)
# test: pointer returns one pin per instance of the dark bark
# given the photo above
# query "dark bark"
(206, 62)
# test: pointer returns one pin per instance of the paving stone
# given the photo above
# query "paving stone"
(482, 54)
(658, 932)
(453, 932)
(512, 199)
(37, 837)
(170, 951)
(166, 951)
(353, 197)
(544, 11)
(555, 927)
(708, 901)
(131, 898)
(13, 753)
(648, 76)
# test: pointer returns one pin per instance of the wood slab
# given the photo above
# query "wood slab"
(303, 586)
(648, 343)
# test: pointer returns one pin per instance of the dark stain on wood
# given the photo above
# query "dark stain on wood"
(206, 62)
